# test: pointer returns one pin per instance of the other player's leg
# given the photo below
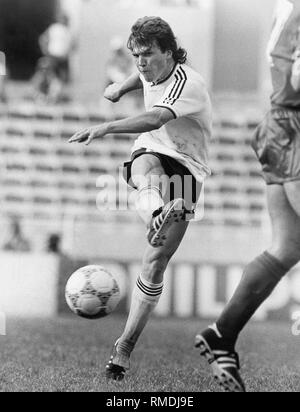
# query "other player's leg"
(259, 280)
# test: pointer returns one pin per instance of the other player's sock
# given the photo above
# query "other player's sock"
(149, 199)
(145, 297)
(258, 282)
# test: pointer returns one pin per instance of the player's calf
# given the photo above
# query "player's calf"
(163, 219)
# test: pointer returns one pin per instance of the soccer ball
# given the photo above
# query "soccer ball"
(92, 292)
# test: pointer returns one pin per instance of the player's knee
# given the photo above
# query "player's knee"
(146, 171)
(141, 182)
(155, 266)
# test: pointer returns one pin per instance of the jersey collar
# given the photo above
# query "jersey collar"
(166, 78)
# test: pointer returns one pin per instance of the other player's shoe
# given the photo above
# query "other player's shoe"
(163, 219)
(117, 365)
(223, 361)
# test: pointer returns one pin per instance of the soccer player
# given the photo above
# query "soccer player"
(168, 163)
(277, 144)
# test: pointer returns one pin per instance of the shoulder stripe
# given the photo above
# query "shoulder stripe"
(182, 84)
(178, 87)
(167, 100)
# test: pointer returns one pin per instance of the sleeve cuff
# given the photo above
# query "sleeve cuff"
(169, 108)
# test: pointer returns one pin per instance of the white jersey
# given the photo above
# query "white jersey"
(185, 138)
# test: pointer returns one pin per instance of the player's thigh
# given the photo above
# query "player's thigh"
(292, 190)
(146, 170)
(285, 226)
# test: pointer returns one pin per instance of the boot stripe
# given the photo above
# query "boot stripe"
(220, 352)
(224, 360)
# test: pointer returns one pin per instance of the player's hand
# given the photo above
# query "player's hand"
(88, 135)
(113, 92)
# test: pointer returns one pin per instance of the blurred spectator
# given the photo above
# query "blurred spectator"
(47, 87)
(17, 242)
(119, 65)
(57, 44)
(54, 244)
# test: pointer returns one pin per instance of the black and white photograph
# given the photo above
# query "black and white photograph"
(149, 198)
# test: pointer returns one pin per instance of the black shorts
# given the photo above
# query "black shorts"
(277, 145)
(182, 185)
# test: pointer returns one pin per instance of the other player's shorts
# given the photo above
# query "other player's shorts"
(182, 183)
(277, 145)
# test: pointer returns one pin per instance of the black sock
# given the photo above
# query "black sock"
(259, 280)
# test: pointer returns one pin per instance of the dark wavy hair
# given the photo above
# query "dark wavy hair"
(148, 30)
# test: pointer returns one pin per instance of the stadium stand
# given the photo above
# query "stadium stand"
(42, 177)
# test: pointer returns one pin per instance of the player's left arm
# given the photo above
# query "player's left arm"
(145, 122)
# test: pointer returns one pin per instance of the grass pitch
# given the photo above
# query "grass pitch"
(69, 354)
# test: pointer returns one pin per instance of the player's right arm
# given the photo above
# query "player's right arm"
(115, 91)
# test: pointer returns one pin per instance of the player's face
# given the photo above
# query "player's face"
(152, 63)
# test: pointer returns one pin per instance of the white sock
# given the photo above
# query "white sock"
(149, 199)
(145, 298)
